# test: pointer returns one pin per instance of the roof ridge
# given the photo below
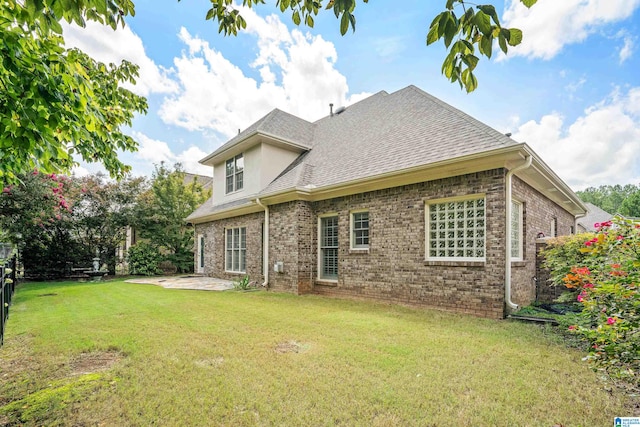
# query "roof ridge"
(368, 98)
(488, 130)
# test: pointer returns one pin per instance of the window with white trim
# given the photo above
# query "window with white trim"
(236, 250)
(234, 174)
(360, 230)
(516, 230)
(456, 229)
(553, 227)
(329, 247)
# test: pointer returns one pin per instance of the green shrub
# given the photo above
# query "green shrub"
(143, 259)
(563, 253)
(242, 284)
(607, 284)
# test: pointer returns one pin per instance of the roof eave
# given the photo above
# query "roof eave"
(249, 141)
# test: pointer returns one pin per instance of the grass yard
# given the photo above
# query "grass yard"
(114, 353)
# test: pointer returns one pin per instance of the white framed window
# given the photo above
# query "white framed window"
(516, 230)
(236, 250)
(200, 263)
(234, 174)
(328, 247)
(553, 227)
(456, 229)
(359, 230)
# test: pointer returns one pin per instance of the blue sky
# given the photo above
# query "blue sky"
(571, 90)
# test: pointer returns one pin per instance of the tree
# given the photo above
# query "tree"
(102, 209)
(33, 214)
(162, 212)
(612, 198)
(56, 103)
(477, 26)
(59, 222)
(630, 207)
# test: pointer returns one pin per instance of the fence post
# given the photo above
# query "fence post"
(3, 307)
(7, 288)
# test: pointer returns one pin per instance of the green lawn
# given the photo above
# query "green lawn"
(114, 353)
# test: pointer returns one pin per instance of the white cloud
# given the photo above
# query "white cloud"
(600, 147)
(155, 151)
(297, 74)
(109, 46)
(627, 49)
(551, 24)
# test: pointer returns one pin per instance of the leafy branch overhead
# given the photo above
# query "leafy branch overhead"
(57, 103)
(477, 25)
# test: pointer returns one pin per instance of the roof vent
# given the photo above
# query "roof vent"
(508, 134)
(340, 110)
(331, 109)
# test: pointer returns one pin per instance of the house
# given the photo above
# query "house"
(593, 216)
(399, 197)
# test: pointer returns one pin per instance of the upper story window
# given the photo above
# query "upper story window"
(234, 174)
(456, 229)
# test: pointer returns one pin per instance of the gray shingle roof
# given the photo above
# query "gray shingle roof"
(380, 134)
(386, 133)
(279, 124)
(594, 215)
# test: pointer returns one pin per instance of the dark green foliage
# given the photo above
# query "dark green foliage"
(60, 223)
(615, 199)
(162, 211)
(143, 259)
(57, 103)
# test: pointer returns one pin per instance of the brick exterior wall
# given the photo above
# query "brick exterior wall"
(394, 268)
(538, 214)
(214, 246)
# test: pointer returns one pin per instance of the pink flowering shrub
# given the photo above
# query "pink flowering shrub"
(607, 285)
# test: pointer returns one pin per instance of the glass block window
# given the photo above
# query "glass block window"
(329, 248)
(234, 174)
(360, 230)
(456, 230)
(236, 250)
(516, 230)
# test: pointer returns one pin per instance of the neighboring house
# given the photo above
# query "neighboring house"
(132, 235)
(594, 215)
(399, 197)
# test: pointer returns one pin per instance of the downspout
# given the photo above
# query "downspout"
(507, 265)
(265, 246)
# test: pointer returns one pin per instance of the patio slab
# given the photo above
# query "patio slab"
(200, 283)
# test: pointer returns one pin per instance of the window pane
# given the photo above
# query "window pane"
(239, 180)
(460, 228)
(329, 247)
(230, 170)
(229, 188)
(239, 162)
(516, 227)
(361, 229)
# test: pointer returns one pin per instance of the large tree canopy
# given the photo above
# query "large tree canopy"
(463, 26)
(56, 103)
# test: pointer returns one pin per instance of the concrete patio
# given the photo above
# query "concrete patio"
(200, 283)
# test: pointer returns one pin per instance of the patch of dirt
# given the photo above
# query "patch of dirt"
(94, 361)
(291, 347)
(216, 362)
